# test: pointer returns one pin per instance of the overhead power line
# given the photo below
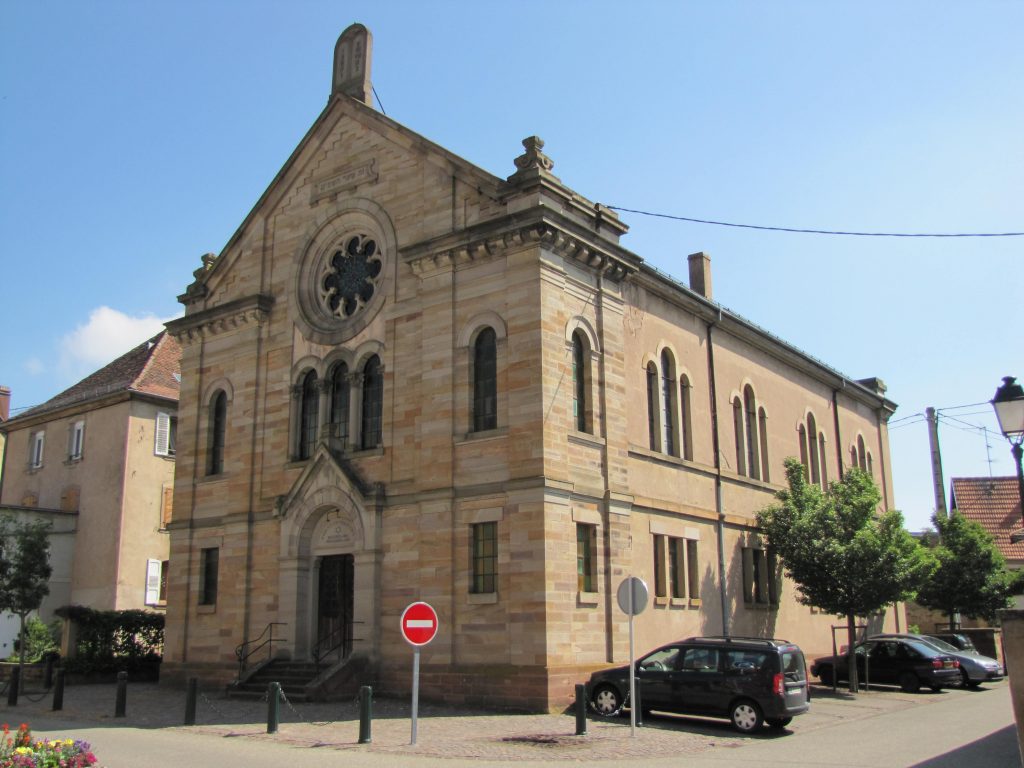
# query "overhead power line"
(816, 231)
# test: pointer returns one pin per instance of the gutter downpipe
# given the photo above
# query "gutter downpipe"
(720, 526)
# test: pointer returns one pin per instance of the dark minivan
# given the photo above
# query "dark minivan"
(749, 680)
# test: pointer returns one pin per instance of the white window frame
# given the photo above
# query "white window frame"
(37, 443)
(76, 440)
(153, 573)
(162, 440)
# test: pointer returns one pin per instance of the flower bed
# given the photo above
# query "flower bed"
(18, 750)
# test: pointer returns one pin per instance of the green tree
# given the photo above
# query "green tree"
(24, 570)
(972, 577)
(846, 557)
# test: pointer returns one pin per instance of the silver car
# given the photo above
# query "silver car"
(975, 669)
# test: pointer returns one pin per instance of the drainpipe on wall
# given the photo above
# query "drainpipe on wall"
(720, 528)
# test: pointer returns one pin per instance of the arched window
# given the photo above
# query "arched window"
(218, 431)
(373, 404)
(581, 411)
(340, 397)
(668, 404)
(870, 466)
(686, 431)
(812, 452)
(762, 428)
(309, 412)
(824, 462)
(485, 381)
(753, 442)
(802, 436)
(652, 405)
(853, 456)
(737, 424)
(861, 461)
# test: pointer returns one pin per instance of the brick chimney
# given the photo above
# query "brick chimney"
(700, 274)
(5, 403)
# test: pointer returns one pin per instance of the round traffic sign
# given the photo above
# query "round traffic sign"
(632, 596)
(419, 623)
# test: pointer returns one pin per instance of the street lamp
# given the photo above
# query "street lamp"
(1009, 407)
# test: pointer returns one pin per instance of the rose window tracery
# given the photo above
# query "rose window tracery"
(349, 279)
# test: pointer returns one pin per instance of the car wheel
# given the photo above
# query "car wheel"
(746, 716)
(778, 722)
(968, 683)
(606, 701)
(909, 683)
(825, 675)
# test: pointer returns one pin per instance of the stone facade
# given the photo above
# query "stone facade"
(399, 361)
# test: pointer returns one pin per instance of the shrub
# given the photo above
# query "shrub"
(110, 641)
(40, 639)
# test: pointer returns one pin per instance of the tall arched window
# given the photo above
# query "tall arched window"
(812, 452)
(668, 404)
(861, 461)
(801, 432)
(373, 404)
(485, 381)
(580, 380)
(762, 428)
(218, 430)
(685, 428)
(652, 405)
(309, 412)
(737, 425)
(753, 442)
(340, 396)
(824, 461)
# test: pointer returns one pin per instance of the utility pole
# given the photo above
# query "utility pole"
(937, 483)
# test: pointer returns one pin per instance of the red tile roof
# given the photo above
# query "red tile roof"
(994, 502)
(153, 367)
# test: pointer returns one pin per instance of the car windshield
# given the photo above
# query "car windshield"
(925, 649)
(942, 645)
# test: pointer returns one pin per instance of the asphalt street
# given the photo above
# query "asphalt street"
(884, 728)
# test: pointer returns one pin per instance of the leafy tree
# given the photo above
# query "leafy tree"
(972, 577)
(24, 570)
(846, 557)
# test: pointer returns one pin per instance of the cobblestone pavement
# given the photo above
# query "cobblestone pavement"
(445, 732)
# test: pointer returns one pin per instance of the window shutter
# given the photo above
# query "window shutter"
(163, 433)
(152, 582)
(166, 506)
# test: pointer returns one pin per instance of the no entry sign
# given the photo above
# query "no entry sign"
(419, 624)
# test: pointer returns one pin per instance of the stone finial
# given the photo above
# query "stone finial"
(533, 157)
(352, 56)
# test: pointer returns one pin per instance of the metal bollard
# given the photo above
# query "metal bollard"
(273, 707)
(48, 677)
(58, 691)
(365, 714)
(122, 694)
(190, 700)
(581, 710)
(12, 690)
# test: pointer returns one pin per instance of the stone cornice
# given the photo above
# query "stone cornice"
(226, 317)
(558, 234)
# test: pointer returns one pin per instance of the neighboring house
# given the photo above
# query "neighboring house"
(407, 379)
(98, 461)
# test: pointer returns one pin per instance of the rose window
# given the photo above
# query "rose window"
(350, 277)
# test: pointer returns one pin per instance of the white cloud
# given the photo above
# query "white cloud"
(107, 335)
(35, 366)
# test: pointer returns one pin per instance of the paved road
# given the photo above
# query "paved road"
(881, 728)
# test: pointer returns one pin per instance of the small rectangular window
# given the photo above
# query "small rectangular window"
(35, 455)
(209, 562)
(677, 566)
(164, 568)
(586, 557)
(660, 587)
(484, 557)
(692, 569)
(156, 581)
(166, 434)
(76, 440)
(760, 577)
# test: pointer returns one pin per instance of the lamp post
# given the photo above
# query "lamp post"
(1008, 404)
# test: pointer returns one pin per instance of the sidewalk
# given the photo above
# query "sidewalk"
(450, 733)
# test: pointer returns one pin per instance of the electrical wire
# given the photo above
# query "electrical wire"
(816, 231)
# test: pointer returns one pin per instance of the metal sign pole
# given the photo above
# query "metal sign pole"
(632, 670)
(415, 690)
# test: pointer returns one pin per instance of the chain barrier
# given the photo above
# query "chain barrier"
(34, 699)
(303, 719)
(213, 706)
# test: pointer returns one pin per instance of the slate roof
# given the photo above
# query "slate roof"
(153, 368)
(994, 503)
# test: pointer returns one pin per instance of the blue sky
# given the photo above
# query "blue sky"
(135, 136)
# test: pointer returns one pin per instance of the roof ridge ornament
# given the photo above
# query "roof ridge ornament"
(534, 157)
(352, 57)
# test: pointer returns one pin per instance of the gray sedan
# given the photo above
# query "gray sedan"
(975, 669)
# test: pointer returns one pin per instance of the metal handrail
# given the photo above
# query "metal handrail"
(243, 653)
(342, 636)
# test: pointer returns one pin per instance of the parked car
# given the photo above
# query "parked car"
(748, 680)
(894, 661)
(961, 642)
(975, 669)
